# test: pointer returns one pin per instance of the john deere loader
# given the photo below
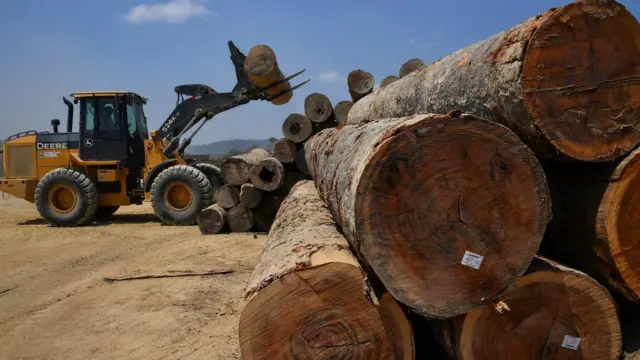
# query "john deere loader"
(113, 161)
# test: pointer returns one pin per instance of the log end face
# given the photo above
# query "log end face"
(581, 80)
(268, 174)
(318, 107)
(428, 206)
(617, 225)
(553, 314)
(297, 127)
(360, 83)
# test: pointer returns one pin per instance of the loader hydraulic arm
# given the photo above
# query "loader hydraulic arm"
(201, 108)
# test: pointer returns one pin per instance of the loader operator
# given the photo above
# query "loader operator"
(108, 124)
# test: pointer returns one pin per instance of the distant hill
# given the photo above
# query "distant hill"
(222, 147)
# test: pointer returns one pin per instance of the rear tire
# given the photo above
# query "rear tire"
(106, 211)
(179, 193)
(212, 173)
(66, 198)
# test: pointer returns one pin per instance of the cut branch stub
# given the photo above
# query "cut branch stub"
(360, 84)
(419, 204)
(318, 108)
(268, 174)
(297, 128)
(566, 81)
(556, 313)
(410, 66)
(341, 111)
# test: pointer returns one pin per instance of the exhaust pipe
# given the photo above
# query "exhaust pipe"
(55, 123)
(69, 114)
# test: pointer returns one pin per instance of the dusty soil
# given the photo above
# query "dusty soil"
(55, 304)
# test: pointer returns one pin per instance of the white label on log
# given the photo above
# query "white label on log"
(571, 342)
(472, 260)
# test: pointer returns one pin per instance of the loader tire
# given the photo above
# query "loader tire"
(66, 198)
(179, 193)
(104, 212)
(212, 173)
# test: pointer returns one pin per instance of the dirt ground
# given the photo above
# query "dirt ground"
(55, 304)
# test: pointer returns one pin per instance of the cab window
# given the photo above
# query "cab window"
(108, 119)
(89, 118)
(137, 124)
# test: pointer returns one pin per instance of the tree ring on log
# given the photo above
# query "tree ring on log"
(360, 83)
(618, 219)
(318, 107)
(489, 198)
(297, 128)
(546, 306)
(570, 76)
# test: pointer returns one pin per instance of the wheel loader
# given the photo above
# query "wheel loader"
(113, 161)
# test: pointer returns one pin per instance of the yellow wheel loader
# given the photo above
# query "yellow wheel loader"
(113, 161)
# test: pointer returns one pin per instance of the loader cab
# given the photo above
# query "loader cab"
(112, 127)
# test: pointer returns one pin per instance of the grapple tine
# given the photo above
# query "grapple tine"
(281, 81)
(287, 91)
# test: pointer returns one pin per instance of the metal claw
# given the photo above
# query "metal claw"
(281, 81)
(287, 91)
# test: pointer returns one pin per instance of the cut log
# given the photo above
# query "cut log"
(227, 196)
(342, 110)
(445, 225)
(360, 84)
(240, 218)
(388, 80)
(595, 228)
(262, 68)
(410, 66)
(566, 81)
(318, 108)
(236, 170)
(301, 162)
(250, 195)
(297, 128)
(308, 282)
(212, 219)
(268, 174)
(285, 151)
(554, 312)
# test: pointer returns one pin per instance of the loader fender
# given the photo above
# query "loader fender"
(156, 171)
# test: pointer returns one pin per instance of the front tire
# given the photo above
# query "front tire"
(66, 198)
(179, 193)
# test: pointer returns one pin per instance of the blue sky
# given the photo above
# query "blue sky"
(53, 48)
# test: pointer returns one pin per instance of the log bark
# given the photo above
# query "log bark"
(308, 282)
(360, 84)
(250, 195)
(388, 80)
(550, 308)
(419, 203)
(301, 162)
(297, 128)
(595, 228)
(268, 174)
(342, 110)
(240, 218)
(285, 151)
(212, 219)
(566, 81)
(236, 170)
(410, 66)
(318, 108)
(227, 196)
(262, 68)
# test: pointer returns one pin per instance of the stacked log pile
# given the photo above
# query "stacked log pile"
(494, 194)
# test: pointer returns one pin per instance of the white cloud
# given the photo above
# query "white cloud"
(412, 41)
(174, 11)
(329, 77)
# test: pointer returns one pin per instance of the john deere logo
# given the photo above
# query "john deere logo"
(88, 142)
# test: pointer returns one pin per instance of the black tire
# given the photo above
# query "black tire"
(106, 211)
(73, 183)
(212, 173)
(187, 178)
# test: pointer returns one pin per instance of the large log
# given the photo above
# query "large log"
(310, 285)
(596, 221)
(262, 68)
(285, 151)
(446, 209)
(236, 170)
(318, 108)
(297, 128)
(410, 66)
(250, 195)
(567, 81)
(227, 196)
(268, 174)
(360, 84)
(240, 218)
(342, 110)
(212, 219)
(553, 312)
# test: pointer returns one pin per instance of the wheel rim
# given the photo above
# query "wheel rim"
(62, 198)
(178, 196)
